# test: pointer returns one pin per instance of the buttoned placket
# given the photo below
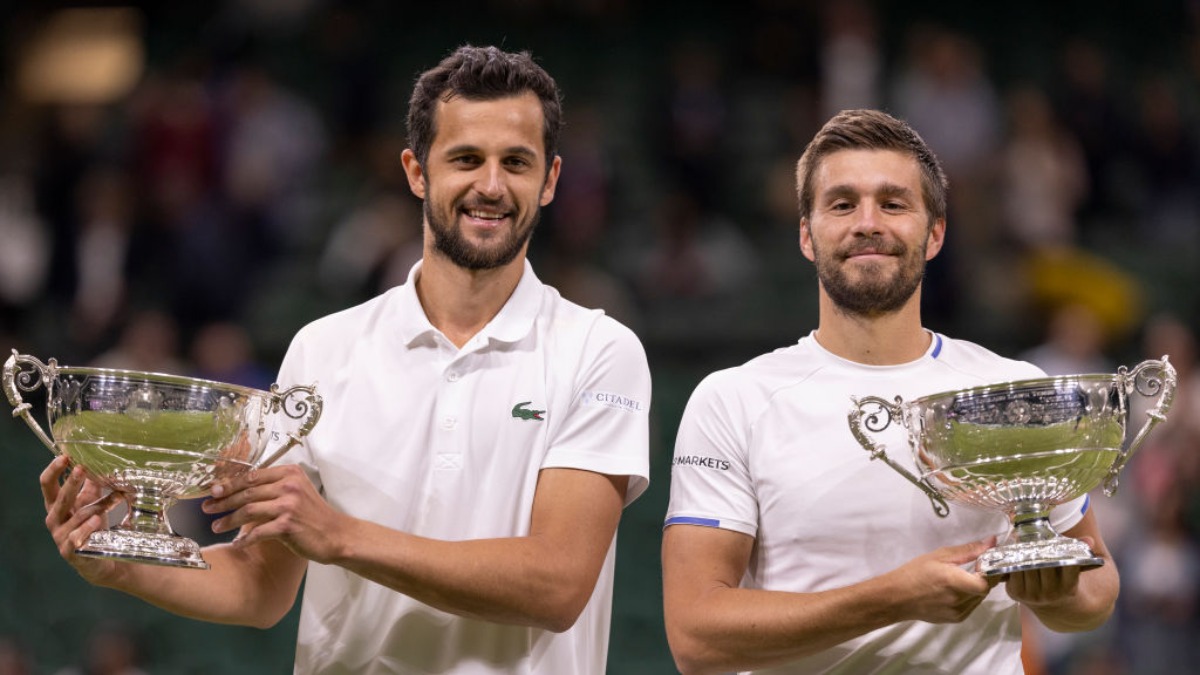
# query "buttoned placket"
(453, 400)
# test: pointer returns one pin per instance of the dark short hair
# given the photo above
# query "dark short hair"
(871, 130)
(481, 74)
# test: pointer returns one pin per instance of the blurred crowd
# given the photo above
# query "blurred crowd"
(239, 176)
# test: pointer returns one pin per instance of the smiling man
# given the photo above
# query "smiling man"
(455, 510)
(786, 550)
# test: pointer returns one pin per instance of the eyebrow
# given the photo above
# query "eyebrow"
(887, 190)
(466, 148)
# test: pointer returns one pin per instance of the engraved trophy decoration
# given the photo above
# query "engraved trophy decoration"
(155, 439)
(1022, 448)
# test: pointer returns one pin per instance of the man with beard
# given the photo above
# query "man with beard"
(455, 509)
(785, 549)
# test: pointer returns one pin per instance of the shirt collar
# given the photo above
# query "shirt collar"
(511, 324)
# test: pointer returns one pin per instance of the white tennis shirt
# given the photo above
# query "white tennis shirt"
(441, 442)
(766, 449)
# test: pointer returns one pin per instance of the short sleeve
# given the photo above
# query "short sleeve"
(606, 426)
(711, 484)
(1065, 516)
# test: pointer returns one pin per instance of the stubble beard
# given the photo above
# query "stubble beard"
(874, 293)
(448, 239)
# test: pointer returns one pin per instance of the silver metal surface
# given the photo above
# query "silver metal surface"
(154, 438)
(1022, 448)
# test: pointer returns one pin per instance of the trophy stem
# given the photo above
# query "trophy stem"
(1033, 544)
(1031, 523)
(147, 513)
(145, 535)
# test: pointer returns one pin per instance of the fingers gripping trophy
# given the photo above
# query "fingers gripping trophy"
(156, 438)
(1022, 448)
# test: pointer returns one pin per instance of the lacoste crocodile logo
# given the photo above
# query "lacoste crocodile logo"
(521, 412)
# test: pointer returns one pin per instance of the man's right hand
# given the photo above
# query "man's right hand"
(75, 508)
(942, 591)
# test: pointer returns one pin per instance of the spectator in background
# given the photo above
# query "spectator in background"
(1088, 105)
(578, 228)
(24, 256)
(223, 351)
(1074, 343)
(852, 63)
(107, 212)
(944, 89)
(696, 254)
(1167, 157)
(1172, 455)
(71, 143)
(1159, 607)
(272, 145)
(372, 248)
(150, 342)
(1042, 174)
(695, 120)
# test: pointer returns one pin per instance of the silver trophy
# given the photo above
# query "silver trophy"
(155, 439)
(1022, 448)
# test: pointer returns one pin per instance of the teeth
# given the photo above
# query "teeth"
(484, 215)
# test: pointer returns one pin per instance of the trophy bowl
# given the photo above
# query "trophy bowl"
(1021, 448)
(155, 438)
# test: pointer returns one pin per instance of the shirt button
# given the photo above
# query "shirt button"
(452, 376)
(448, 422)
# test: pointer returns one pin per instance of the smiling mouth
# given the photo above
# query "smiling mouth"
(869, 255)
(485, 215)
(873, 252)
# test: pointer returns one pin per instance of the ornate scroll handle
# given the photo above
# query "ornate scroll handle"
(861, 423)
(26, 373)
(1148, 378)
(297, 402)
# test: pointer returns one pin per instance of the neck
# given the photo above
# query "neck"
(884, 340)
(460, 302)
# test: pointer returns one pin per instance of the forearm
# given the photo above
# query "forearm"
(742, 629)
(519, 580)
(239, 588)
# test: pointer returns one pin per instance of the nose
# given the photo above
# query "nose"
(490, 182)
(868, 223)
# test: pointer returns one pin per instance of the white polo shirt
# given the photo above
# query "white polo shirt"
(766, 449)
(423, 437)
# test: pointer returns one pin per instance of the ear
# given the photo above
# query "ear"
(806, 246)
(414, 172)
(551, 181)
(937, 237)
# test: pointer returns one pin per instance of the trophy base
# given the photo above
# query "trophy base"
(167, 550)
(1036, 555)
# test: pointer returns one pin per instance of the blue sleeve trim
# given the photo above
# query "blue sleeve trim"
(1087, 501)
(689, 520)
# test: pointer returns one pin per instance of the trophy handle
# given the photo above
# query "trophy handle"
(1149, 378)
(26, 373)
(875, 422)
(298, 403)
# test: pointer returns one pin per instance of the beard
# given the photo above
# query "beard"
(874, 293)
(448, 240)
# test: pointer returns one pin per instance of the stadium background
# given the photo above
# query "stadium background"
(183, 185)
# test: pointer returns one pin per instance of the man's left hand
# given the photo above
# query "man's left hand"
(277, 503)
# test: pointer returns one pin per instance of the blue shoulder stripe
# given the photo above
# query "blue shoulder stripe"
(689, 520)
